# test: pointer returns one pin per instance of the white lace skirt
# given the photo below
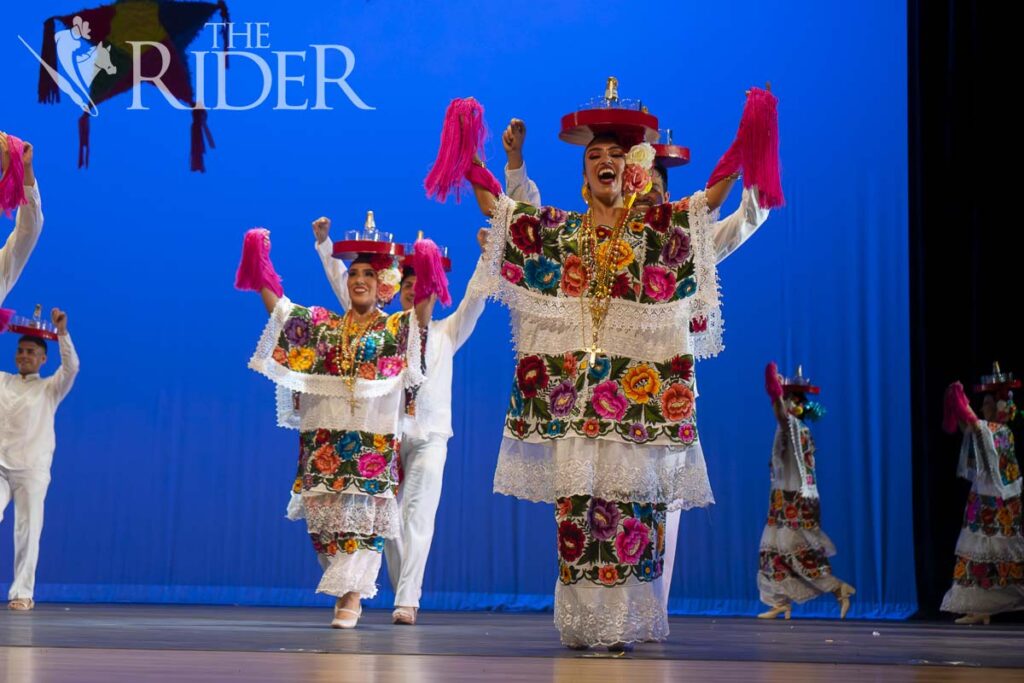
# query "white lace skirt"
(612, 470)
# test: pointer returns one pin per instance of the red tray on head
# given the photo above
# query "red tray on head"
(670, 156)
(995, 386)
(803, 388)
(580, 127)
(349, 249)
(32, 331)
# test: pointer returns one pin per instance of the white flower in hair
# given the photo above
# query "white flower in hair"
(641, 155)
(390, 276)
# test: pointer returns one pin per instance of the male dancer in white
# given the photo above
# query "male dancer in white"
(28, 223)
(28, 403)
(425, 434)
(729, 233)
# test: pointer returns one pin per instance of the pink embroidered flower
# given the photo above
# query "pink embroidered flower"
(659, 283)
(511, 272)
(390, 366)
(371, 465)
(609, 402)
(632, 541)
(687, 433)
(318, 315)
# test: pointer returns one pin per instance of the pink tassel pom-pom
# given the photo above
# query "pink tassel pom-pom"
(12, 184)
(772, 385)
(957, 408)
(462, 136)
(5, 318)
(430, 277)
(255, 271)
(756, 150)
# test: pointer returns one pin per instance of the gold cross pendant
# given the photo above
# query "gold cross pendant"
(594, 350)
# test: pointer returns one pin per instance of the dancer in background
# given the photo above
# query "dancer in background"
(426, 429)
(28, 404)
(351, 372)
(18, 190)
(794, 550)
(988, 577)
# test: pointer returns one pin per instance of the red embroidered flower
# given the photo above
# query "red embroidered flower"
(322, 436)
(570, 541)
(532, 376)
(622, 286)
(682, 367)
(608, 575)
(526, 234)
(659, 217)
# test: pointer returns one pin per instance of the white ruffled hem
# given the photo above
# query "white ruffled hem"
(977, 600)
(592, 615)
(787, 541)
(792, 589)
(347, 573)
(978, 547)
(352, 513)
(571, 466)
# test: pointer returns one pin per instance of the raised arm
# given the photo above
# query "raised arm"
(773, 387)
(458, 157)
(62, 380)
(736, 228)
(28, 223)
(518, 184)
(337, 273)
(255, 271)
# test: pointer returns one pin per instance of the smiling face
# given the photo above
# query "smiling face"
(604, 162)
(407, 297)
(29, 357)
(362, 286)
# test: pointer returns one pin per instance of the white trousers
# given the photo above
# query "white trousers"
(671, 537)
(28, 489)
(418, 497)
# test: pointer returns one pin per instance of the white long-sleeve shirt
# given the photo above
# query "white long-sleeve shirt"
(14, 254)
(27, 408)
(444, 338)
(729, 233)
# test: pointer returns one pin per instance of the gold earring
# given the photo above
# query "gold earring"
(586, 192)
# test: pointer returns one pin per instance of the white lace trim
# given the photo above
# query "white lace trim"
(793, 589)
(352, 513)
(707, 301)
(378, 415)
(978, 600)
(592, 615)
(295, 509)
(556, 336)
(626, 472)
(356, 572)
(788, 541)
(974, 545)
(262, 361)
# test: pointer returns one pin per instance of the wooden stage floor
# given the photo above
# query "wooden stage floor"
(114, 643)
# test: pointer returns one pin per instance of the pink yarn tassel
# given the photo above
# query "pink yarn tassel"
(255, 271)
(12, 185)
(462, 136)
(756, 150)
(957, 408)
(430, 277)
(5, 318)
(772, 385)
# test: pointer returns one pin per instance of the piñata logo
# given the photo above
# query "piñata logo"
(104, 52)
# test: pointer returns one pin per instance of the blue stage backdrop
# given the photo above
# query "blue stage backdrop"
(170, 478)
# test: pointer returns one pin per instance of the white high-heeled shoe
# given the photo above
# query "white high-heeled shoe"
(786, 609)
(971, 619)
(346, 618)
